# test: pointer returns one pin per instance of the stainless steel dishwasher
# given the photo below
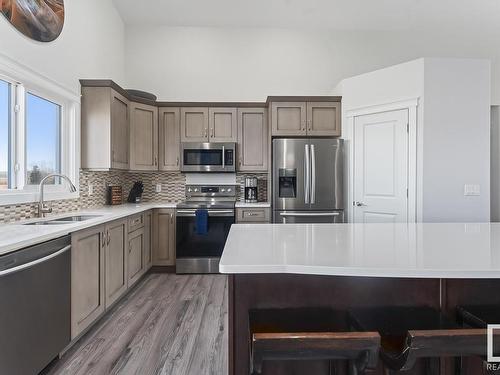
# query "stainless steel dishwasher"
(35, 306)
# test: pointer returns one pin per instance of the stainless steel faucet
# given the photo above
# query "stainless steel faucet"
(42, 207)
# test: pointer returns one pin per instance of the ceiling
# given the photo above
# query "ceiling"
(375, 15)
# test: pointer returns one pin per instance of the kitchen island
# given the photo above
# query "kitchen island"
(345, 266)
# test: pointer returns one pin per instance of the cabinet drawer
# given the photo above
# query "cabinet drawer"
(135, 222)
(253, 215)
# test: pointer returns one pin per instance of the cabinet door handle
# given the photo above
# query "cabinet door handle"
(156, 160)
(103, 239)
(303, 125)
(177, 160)
(109, 238)
(310, 124)
(206, 132)
(171, 218)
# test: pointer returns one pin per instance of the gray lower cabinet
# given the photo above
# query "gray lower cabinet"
(253, 215)
(136, 246)
(143, 137)
(164, 237)
(148, 240)
(105, 261)
(116, 260)
(87, 278)
(253, 140)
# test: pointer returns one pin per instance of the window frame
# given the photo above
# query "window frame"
(23, 81)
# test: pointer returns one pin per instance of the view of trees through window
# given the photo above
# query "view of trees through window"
(4, 134)
(43, 128)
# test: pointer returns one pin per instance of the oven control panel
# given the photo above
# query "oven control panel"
(211, 191)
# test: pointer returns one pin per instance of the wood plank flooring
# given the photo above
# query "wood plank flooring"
(168, 325)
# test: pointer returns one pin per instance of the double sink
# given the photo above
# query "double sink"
(64, 220)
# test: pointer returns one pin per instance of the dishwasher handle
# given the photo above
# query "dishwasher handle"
(34, 263)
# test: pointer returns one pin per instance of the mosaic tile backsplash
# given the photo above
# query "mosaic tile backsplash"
(172, 184)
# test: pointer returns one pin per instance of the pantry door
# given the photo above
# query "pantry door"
(381, 167)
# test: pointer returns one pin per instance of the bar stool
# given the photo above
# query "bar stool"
(479, 317)
(308, 334)
(411, 333)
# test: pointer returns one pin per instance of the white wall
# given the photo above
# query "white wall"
(91, 45)
(195, 63)
(495, 163)
(456, 139)
(453, 129)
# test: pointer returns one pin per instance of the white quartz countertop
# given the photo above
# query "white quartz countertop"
(253, 205)
(423, 250)
(16, 236)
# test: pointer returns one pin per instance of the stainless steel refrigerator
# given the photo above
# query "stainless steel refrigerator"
(308, 180)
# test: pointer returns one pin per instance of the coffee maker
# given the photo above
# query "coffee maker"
(251, 190)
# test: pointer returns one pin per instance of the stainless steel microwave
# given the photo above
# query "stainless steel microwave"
(208, 157)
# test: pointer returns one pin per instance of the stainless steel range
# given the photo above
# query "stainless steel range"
(203, 221)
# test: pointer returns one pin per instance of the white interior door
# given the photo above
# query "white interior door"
(381, 167)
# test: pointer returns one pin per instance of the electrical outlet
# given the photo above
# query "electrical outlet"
(472, 190)
(158, 188)
(91, 189)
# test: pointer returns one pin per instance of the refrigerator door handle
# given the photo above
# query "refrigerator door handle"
(307, 176)
(313, 175)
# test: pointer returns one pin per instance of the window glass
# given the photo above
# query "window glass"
(4, 134)
(43, 125)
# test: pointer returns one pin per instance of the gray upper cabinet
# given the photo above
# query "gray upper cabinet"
(223, 124)
(170, 137)
(306, 119)
(104, 129)
(120, 128)
(323, 119)
(253, 140)
(194, 124)
(143, 137)
(288, 118)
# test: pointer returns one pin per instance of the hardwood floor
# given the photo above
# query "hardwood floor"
(169, 324)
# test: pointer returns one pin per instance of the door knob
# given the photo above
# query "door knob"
(359, 204)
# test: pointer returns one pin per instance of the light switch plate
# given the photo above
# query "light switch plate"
(472, 190)
(91, 189)
(158, 188)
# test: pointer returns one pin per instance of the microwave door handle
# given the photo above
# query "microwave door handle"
(307, 177)
(313, 175)
(223, 157)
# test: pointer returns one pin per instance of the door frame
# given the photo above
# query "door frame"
(414, 203)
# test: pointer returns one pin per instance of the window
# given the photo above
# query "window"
(43, 146)
(4, 135)
(39, 122)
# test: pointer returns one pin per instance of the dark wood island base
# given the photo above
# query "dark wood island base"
(264, 291)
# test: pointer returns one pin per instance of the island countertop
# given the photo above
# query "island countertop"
(418, 250)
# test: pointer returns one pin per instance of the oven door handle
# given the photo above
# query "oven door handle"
(192, 213)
